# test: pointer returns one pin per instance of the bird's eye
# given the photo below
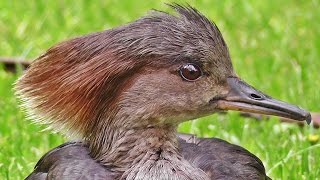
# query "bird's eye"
(190, 72)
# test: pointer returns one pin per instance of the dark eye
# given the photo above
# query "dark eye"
(190, 72)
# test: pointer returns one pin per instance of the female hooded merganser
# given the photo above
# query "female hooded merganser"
(124, 91)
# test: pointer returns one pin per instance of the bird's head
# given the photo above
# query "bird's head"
(158, 70)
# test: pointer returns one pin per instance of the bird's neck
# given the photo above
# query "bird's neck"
(147, 153)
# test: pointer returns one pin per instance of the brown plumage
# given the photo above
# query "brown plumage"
(124, 91)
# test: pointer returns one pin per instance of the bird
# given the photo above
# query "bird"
(122, 92)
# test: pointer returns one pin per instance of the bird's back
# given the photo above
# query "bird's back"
(218, 158)
(69, 161)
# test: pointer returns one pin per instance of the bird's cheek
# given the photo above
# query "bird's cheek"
(206, 91)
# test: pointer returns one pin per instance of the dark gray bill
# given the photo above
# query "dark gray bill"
(245, 98)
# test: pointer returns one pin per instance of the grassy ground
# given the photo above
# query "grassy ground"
(274, 45)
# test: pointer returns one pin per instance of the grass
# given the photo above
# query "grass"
(275, 46)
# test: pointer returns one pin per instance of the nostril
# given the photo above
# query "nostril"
(256, 96)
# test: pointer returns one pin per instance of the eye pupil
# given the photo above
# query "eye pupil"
(190, 72)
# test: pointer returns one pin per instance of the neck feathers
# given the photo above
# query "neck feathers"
(147, 154)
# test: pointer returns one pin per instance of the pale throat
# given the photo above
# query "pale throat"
(146, 153)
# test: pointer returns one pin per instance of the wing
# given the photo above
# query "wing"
(69, 161)
(220, 159)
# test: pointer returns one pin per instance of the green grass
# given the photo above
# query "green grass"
(275, 46)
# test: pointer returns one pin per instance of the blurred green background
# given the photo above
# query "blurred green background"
(275, 46)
